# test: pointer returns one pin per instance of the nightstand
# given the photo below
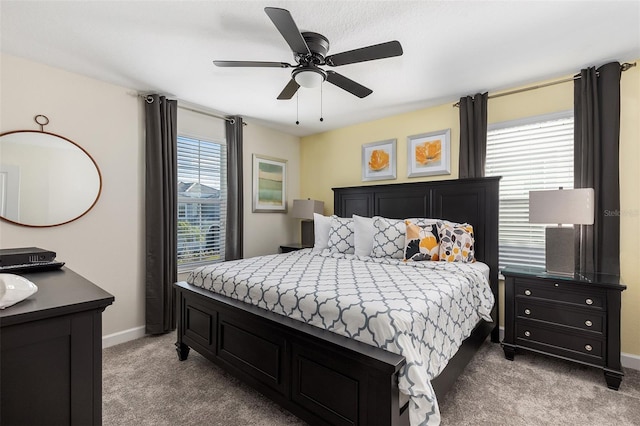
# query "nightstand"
(576, 318)
(286, 248)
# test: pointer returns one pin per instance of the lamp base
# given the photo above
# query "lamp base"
(306, 233)
(560, 255)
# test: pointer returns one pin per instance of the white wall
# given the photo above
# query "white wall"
(200, 126)
(265, 232)
(107, 244)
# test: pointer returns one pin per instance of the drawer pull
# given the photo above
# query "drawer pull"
(588, 323)
(588, 348)
(556, 285)
(527, 312)
(589, 302)
(527, 292)
(527, 333)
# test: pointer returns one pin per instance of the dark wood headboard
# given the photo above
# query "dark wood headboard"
(474, 201)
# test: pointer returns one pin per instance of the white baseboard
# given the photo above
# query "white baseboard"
(122, 336)
(627, 360)
(630, 361)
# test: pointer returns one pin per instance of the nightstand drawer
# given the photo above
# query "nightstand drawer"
(586, 319)
(560, 292)
(576, 346)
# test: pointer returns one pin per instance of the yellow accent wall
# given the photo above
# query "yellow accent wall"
(333, 159)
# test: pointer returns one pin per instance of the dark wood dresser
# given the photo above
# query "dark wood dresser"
(51, 352)
(576, 318)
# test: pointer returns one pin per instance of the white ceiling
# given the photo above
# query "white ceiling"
(451, 49)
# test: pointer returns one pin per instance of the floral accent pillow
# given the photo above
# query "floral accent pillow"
(457, 243)
(421, 242)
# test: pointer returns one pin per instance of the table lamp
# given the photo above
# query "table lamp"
(304, 209)
(561, 206)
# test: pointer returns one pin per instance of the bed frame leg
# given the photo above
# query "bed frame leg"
(183, 351)
(495, 334)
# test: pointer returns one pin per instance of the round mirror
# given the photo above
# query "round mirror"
(45, 179)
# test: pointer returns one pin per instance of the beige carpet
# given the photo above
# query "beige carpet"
(145, 384)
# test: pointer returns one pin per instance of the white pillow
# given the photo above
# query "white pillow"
(363, 235)
(321, 228)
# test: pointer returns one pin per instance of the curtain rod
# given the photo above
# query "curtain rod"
(623, 67)
(197, 111)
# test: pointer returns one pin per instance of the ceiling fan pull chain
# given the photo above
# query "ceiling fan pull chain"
(321, 119)
(297, 109)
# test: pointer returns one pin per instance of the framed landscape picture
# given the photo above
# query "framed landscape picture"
(429, 154)
(269, 185)
(379, 160)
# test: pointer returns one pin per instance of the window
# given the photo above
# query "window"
(532, 154)
(202, 203)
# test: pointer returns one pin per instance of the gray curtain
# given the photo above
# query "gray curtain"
(596, 165)
(473, 135)
(160, 213)
(234, 234)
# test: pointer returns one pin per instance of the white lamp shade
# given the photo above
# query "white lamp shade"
(309, 78)
(304, 209)
(570, 206)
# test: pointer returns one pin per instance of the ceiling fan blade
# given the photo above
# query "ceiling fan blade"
(252, 64)
(369, 53)
(347, 84)
(286, 25)
(289, 90)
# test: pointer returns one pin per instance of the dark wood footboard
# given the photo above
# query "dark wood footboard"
(322, 377)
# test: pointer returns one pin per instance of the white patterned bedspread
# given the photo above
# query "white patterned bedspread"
(421, 310)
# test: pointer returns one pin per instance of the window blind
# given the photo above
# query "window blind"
(202, 204)
(532, 155)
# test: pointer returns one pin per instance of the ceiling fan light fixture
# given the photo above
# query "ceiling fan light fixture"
(309, 77)
(310, 53)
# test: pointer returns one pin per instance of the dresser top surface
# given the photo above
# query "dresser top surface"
(597, 279)
(60, 292)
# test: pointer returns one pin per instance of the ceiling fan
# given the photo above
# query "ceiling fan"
(309, 51)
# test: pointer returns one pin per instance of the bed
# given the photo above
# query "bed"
(321, 376)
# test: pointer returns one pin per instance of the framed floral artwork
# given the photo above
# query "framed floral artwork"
(429, 154)
(379, 160)
(269, 185)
